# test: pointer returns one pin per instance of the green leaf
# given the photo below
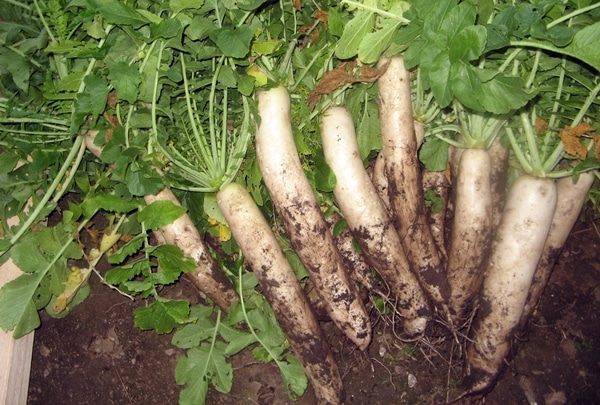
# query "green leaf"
(296, 264)
(27, 254)
(172, 264)
(294, 379)
(178, 5)
(203, 365)
(502, 93)
(163, 316)
(193, 333)
(233, 42)
(439, 76)
(19, 68)
(375, 43)
(167, 28)
(238, 339)
(127, 250)
(118, 13)
(335, 22)
(160, 213)
(434, 154)
(354, 32)
(126, 80)
(368, 133)
(468, 44)
(142, 180)
(17, 310)
(249, 5)
(585, 45)
(465, 84)
(93, 98)
(126, 272)
(324, 177)
(107, 202)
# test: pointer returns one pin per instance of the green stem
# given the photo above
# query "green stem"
(243, 305)
(48, 194)
(71, 174)
(572, 14)
(376, 10)
(518, 152)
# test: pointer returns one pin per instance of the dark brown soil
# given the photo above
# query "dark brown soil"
(97, 355)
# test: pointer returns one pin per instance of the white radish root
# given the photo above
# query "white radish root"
(405, 188)
(302, 218)
(282, 290)
(471, 229)
(368, 218)
(516, 249)
(571, 197)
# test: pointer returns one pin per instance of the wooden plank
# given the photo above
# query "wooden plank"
(15, 355)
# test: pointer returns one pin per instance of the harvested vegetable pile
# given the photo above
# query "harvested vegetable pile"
(298, 162)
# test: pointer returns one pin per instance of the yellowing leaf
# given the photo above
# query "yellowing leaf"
(108, 241)
(259, 76)
(75, 281)
(223, 231)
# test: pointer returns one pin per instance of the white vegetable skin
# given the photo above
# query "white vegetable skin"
(405, 188)
(571, 197)
(282, 290)
(471, 229)
(302, 218)
(368, 218)
(207, 276)
(516, 249)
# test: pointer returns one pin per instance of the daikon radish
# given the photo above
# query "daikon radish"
(405, 188)
(303, 220)
(207, 277)
(471, 229)
(368, 218)
(282, 290)
(571, 197)
(516, 249)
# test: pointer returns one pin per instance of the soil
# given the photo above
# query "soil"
(97, 355)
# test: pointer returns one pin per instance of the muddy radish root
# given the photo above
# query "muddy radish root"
(405, 189)
(516, 249)
(471, 229)
(294, 200)
(282, 290)
(208, 276)
(368, 218)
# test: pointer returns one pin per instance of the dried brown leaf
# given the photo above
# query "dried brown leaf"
(570, 138)
(345, 73)
(540, 125)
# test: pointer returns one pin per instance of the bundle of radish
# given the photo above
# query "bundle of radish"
(283, 291)
(405, 190)
(521, 239)
(294, 199)
(368, 218)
